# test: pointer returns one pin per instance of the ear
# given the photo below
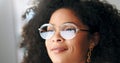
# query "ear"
(94, 40)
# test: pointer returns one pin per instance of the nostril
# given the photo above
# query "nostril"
(58, 40)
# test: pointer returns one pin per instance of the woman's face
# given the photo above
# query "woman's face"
(62, 50)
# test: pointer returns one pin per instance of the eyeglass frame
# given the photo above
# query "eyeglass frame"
(77, 29)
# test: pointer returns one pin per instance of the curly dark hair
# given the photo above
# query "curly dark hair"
(99, 16)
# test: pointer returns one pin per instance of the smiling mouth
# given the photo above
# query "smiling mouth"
(59, 49)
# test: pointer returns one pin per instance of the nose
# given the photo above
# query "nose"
(57, 38)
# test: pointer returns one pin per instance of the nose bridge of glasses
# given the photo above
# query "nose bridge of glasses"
(57, 37)
(57, 31)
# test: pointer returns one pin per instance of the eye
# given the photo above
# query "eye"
(43, 31)
(69, 29)
(47, 29)
(46, 34)
(50, 31)
(68, 33)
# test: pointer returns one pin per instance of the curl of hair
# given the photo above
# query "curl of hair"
(98, 16)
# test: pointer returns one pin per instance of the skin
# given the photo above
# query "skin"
(73, 50)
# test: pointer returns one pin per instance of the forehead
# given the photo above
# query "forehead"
(64, 15)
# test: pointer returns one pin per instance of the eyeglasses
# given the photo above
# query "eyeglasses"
(67, 30)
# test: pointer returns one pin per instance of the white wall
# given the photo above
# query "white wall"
(19, 8)
(7, 36)
(10, 24)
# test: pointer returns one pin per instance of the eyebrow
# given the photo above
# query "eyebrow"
(65, 23)
(72, 23)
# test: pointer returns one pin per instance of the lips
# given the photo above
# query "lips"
(59, 49)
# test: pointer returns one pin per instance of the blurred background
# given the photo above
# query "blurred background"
(11, 25)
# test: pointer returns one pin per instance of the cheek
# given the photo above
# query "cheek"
(82, 39)
(78, 47)
(47, 44)
(80, 43)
